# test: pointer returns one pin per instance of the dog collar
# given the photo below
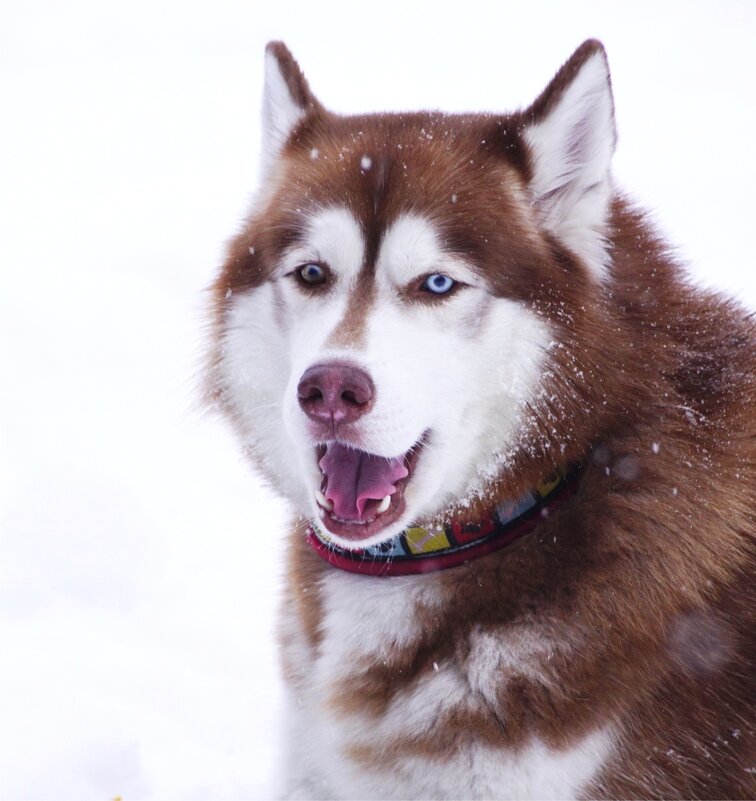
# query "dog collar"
(423, 550)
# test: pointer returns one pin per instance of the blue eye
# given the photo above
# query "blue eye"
(439, 284)
(312, 274)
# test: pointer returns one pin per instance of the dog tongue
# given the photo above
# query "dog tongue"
(354, 477)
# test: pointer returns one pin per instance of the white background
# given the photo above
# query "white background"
(139, 557)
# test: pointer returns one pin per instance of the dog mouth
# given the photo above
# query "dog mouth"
(361, 493)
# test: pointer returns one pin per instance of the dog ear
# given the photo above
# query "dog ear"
(287, 99)
(571, 137)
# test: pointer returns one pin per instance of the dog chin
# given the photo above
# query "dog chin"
(360, 537)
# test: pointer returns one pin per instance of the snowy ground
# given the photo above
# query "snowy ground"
(139, 563)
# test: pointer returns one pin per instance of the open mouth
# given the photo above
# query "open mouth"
(361, 493)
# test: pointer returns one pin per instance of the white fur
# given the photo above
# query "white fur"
(572, 150)
(280, 112)
(499, 654)
(410, 249)
(363, 616)
(371, 616)
(333, 237)
(462, 369)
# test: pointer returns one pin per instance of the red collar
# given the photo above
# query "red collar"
(420, 550)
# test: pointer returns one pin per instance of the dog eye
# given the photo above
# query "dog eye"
(438, 284)
(311, 274)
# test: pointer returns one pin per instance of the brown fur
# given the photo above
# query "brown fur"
(653, 560)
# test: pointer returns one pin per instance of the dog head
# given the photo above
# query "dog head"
(392, 316)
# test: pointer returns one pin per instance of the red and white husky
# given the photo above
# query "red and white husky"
(521, 448)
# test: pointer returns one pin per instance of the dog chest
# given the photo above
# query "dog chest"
(364, 725)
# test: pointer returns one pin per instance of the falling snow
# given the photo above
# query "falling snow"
(366, 163)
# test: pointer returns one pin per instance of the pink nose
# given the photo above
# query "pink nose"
(335, 392)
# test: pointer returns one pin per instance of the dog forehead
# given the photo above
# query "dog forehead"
(441, 167)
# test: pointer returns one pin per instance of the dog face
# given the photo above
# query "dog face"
(389, 317)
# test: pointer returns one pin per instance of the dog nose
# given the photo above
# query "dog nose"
(338, 392)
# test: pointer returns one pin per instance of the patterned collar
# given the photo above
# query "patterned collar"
(423, 550)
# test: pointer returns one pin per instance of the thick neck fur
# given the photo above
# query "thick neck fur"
(629, 608)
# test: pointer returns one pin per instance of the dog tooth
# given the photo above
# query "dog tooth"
(383, 505)
(323, 501)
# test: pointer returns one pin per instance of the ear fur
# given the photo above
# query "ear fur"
(571, 137)
(287, 99)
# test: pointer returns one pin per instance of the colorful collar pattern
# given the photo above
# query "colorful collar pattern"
(423, 550)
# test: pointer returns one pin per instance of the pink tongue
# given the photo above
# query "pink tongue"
(354, 477)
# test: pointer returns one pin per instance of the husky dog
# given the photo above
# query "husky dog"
(521, 447)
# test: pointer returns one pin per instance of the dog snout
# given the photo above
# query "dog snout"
(338, 393)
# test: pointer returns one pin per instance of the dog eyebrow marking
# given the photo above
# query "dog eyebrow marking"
(409, 249)
(336, 237)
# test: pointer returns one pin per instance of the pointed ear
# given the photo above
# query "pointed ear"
(571, 137)
(287, 99)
